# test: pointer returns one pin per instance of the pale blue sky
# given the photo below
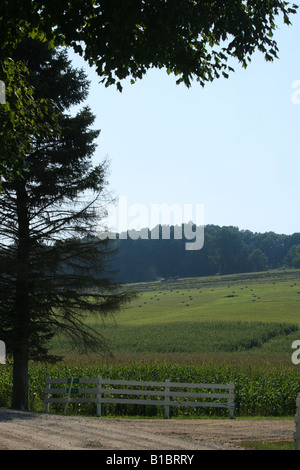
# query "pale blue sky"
(232, 146)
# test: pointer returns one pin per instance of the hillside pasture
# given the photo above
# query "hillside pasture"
(240, 315)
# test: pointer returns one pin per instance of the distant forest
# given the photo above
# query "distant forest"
(226, 250)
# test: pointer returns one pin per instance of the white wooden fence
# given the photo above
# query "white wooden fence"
(136, 392)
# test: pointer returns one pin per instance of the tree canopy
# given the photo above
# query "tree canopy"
(127, 37)
(124, 38)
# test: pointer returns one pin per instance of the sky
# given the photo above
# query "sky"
(230, 148)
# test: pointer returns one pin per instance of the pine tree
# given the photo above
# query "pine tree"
(52, 266)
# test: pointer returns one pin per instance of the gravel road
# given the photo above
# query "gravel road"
(35, 431)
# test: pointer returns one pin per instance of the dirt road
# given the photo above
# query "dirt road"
(35, 431)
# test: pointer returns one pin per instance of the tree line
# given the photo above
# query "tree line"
(226, 250)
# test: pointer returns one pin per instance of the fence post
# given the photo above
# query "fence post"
(69, 393)
(167, 397)
(297, 421)
(99, 382)
(231, 400)
(47, 392)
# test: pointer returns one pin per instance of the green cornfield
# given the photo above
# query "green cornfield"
(261, 390)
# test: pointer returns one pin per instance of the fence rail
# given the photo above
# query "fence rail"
(158, 393)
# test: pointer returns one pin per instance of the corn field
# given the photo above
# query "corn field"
(261, 390)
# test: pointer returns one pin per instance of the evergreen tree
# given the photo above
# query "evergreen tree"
(52, 268)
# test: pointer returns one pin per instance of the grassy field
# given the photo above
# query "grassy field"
(246, 315)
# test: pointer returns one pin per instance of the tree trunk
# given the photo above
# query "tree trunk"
(20, 398)
(20, 395)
